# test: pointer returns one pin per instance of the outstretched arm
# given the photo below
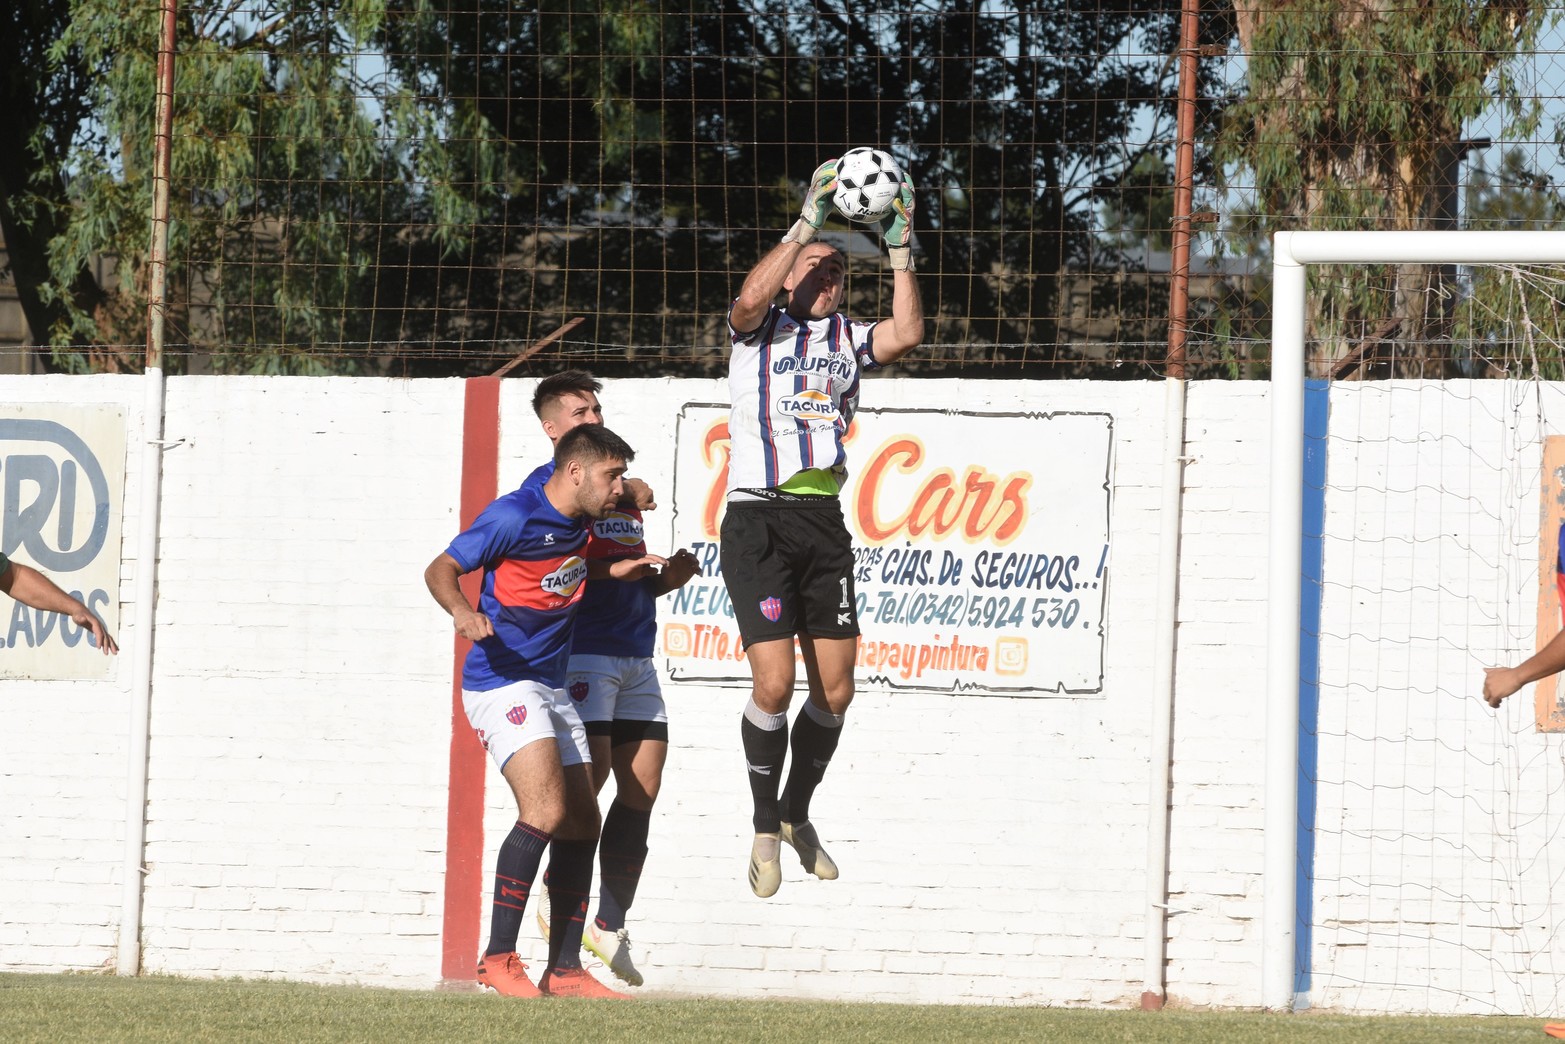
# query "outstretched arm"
(903, 332)
(1500, 682)
(682, 565)
(638, 568)
(30, 587)
(765, 280)
(762, 286)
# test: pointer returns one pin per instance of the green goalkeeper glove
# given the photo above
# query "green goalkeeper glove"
(896, 228)
(817, 204)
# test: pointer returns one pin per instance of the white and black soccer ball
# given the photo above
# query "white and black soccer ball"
(868, 181)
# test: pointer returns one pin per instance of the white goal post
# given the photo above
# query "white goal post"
(1293, 252)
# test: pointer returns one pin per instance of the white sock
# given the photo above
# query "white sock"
(762, 720)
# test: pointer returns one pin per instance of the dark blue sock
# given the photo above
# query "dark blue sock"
(570, 879)
(515, 869)
(622, 852)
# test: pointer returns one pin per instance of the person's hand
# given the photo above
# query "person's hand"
(1498, 683)
(473, 625)
(896, 228)
(85, 618)
(817, 204)
(636, 568)
(682, 565)
(638, 495)
(817, 199)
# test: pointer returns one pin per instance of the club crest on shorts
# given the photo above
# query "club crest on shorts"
(771, 608)
(578, 691)
(517, 715)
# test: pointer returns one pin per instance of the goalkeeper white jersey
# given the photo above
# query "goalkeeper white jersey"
(794, 386)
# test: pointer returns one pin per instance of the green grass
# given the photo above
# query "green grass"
(103, 1008)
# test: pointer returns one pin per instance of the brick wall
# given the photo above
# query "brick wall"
(992, 849)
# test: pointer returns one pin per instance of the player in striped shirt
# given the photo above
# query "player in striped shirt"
(787, 556)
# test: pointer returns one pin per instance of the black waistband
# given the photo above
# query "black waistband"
(770, 496)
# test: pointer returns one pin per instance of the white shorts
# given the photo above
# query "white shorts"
(615, 688)
(512, 716)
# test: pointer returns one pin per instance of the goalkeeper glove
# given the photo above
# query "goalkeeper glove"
(896, 228)
(817, 204)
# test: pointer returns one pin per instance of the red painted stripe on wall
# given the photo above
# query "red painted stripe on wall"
(465, 800)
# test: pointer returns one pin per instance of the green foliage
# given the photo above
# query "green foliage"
(1509, 320)
(656, 150)
(43, 101)
(289, 166)
(1141, 214)
(353, 177)
(1355, 118)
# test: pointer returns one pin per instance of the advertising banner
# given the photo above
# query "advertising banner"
(62, 482)
(981, 542)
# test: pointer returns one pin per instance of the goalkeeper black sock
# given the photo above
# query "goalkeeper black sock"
(765, 738)
(815, 736)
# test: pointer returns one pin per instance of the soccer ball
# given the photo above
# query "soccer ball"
(868, 181)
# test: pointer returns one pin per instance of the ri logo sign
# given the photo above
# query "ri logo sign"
(62, 482)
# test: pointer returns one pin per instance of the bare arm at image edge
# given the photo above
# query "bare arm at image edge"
(30, 587)
(1500, 682)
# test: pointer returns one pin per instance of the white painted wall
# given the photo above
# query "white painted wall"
(63, 749)
(1442, 822)
(992, 848)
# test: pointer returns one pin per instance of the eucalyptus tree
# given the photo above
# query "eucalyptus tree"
(1357, 116)
(301, 175)
(655, 152)
(443, 183)
(44, 103)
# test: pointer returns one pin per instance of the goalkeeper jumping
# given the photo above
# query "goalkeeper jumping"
(786, 554)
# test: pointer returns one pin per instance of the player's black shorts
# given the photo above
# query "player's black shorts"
(789, 569)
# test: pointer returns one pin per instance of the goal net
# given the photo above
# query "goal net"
(1428, 838)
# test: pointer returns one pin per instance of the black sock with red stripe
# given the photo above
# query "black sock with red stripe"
(570, 879)
(515, 869)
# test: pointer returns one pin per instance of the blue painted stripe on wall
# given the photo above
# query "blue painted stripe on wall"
(1316, 407)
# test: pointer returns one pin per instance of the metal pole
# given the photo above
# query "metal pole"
(1184, 190)
(134, 870)
(162, 147)
(1160, 743)
(1279, 902)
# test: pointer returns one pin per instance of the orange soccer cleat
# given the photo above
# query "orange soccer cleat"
(505, 974)
(577, 982)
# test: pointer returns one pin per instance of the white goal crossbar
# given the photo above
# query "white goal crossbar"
(1294, 251)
